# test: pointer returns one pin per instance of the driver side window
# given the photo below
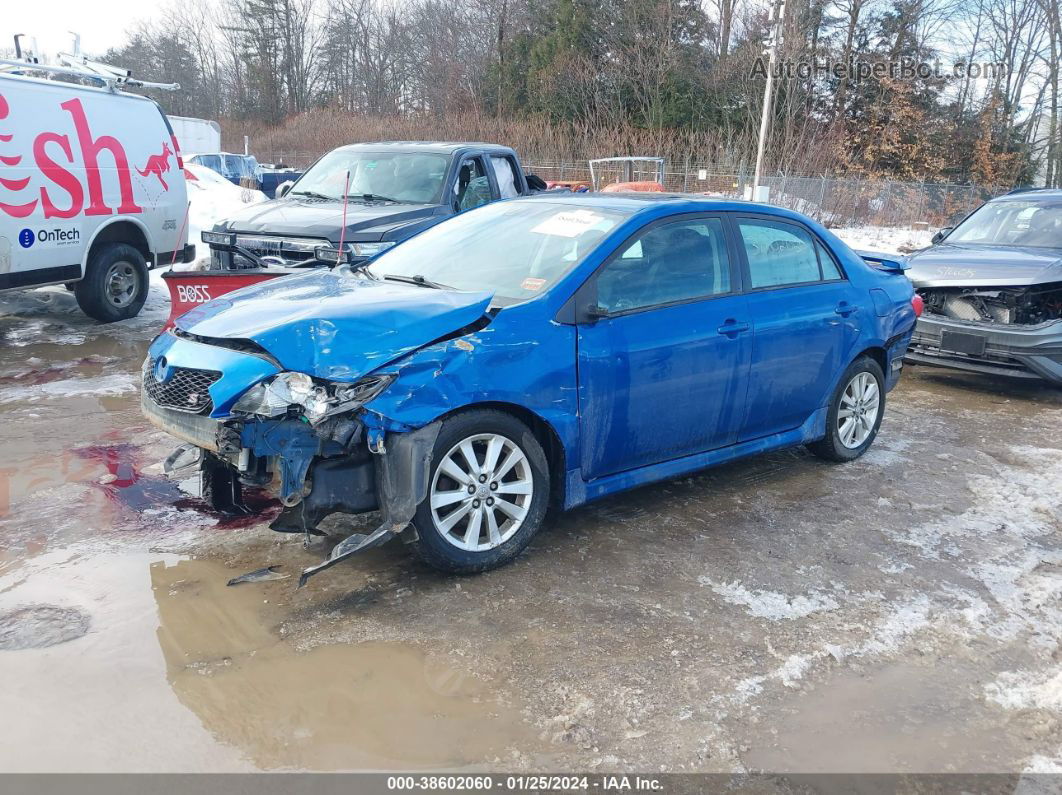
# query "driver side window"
(668, 263)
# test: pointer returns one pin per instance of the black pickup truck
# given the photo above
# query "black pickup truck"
(390, 191)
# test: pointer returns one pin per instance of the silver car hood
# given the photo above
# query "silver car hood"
(970, 265)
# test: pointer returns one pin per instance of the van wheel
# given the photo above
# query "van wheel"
(487, 493)
(115, 284)
(855, 413)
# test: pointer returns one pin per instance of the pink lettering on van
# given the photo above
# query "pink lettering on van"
(90, 151)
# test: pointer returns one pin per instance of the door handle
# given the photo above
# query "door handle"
(731, 328)
(844, 309)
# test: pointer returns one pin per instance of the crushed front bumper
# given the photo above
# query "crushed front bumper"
(314, 470)
(996, 348)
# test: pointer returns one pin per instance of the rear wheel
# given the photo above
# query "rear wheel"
(115, 284)
(487, 494)
(855, 413)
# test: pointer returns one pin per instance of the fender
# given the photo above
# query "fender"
(152, 254)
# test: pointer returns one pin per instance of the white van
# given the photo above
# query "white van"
(92, 193)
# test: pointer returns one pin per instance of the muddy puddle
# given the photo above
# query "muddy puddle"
(367, 705)
(177, 671)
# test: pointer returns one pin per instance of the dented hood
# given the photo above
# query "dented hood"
(336, 325)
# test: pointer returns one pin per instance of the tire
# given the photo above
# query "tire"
(115, 284)
(462, 547)
(841, 444)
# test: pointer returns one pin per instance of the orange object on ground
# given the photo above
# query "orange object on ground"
(623, 187)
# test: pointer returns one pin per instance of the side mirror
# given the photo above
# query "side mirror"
(943, 233)
(283, 188)
(591, 313)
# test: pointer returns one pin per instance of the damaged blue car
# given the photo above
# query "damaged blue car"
(533, 352)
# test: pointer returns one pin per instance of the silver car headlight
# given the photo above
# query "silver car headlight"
(315, 399)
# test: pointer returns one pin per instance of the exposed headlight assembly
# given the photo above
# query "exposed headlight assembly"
(315, 399)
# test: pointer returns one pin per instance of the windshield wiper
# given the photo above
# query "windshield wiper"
(374, 197)
(419, 280)
(312, 194)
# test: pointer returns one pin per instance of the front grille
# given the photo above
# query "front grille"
(187, 389)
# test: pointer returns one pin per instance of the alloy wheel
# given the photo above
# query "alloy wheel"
(481, 492)
(859, 409)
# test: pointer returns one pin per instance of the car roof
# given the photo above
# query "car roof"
(1030, 194)
(639, 201)
(427, 147)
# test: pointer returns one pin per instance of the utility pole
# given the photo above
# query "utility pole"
(774, 39)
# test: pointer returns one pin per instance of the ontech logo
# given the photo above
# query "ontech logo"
(26, 238)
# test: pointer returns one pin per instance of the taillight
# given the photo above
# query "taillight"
(917, 304)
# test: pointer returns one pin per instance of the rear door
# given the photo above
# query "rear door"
(806, 318)
(663, 355)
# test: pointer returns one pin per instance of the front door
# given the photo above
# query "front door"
(807, 320)
(663, 365)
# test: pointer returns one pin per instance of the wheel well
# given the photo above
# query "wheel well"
(122, 232)
(544, 434)
(878, 355)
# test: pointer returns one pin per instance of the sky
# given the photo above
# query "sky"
(101, 23)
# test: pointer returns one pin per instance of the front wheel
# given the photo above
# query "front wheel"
(487, 494)
(115, 284)
(856, 410)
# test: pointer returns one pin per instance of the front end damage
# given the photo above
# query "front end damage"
(272, 387)
(350, 463)
(1012, 331)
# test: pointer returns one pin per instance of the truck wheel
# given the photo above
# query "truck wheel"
(487, 494)
(855, 413)
(115, 284)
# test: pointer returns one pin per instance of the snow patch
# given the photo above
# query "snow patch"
(770, 604)
(116, 384)
(1025, 690)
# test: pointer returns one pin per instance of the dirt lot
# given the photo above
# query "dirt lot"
(901, 613)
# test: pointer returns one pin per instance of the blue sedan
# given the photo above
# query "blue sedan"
(548, 350)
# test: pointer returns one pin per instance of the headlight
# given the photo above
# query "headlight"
(370, 249)
(316, 399)
(218, 238)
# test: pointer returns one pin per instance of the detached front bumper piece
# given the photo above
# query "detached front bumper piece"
(996, 348)
(401, 470)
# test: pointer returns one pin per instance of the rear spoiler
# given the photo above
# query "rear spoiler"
(884, 262)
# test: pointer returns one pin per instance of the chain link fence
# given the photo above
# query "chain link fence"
(833, 201)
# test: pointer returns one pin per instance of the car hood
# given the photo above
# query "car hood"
(302, 217)
(962, 264)
(335, 325)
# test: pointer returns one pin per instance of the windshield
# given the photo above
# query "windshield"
(403, 177)
(515, 249)
(1013, 223)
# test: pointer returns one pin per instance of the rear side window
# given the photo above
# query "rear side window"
(830, 271)
(782, 254)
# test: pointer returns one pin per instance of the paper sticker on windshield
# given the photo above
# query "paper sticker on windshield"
(531, 283)
(570, 223)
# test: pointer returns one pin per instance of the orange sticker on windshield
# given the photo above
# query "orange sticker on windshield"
(531, 283)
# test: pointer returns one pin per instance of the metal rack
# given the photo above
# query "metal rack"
(75, 64)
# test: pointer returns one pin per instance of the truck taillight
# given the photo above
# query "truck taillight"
(918, 304)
